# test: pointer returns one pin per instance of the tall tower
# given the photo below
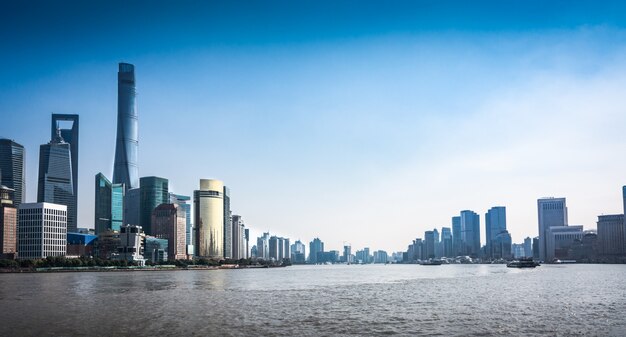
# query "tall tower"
(495, 223)
(69, 135)
(552, 212)
(153, 191)
(125, 167)
(56, 183)
(208, 209)
(12, 169)
(470, 233)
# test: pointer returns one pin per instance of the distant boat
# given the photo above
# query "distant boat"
(431, 263)
(523, 263)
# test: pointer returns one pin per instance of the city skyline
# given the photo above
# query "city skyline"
(435, 117)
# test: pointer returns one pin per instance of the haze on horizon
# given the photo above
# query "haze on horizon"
(359, 122)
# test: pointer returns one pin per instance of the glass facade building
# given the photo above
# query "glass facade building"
(69, 133)
(470, 233)
(228, 226)
(118, 192)
(56, 183)
(12, 169)
(153, 192)
(208, 204)
(495, 223)
(102, 209)
(125, 169)
(552, 212)
(457, 243)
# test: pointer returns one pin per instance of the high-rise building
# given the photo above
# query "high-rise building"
(168, 222)
(347, 254)
(528, 247)
(118, 194)
(381, 256)
(235, 231)
(42, 230)
(611, 234)
(552, 212)
(470, 233)
(12, 169)
(457, 243)
(132, 206)
(501, 246)
(208, 204)
(69, 133)
(559, 240)
(228, 225)
(102, 209)
(125, 170)
(182, 201)
(298, 252)
(495, 223)
(316, 246)
(8, 224)
(446, 242)
(246, 235)
(55, 177)
(153, 192)
(263, 246)
(274, 248)
(428, 248)
(156, 250)
(132, 244)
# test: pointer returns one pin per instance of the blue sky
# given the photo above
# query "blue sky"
(360, 122)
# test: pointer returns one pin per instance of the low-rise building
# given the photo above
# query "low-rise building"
(42, 230)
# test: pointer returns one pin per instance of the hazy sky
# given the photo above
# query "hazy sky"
(357, 121)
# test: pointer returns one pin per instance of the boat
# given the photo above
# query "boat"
(431, 263)
(523, 263)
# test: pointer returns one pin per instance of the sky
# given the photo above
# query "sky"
(358, 122)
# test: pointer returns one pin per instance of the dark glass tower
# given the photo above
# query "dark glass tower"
(125, 167)
(55, 177)
(102, 209)
(69, 135)
(12, 169)
(153, 192)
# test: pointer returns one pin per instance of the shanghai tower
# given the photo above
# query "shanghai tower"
(125, 167)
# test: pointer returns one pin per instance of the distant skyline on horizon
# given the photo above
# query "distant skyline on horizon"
(358, 122)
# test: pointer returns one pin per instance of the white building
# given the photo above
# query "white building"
(132, 244)
(42, 230)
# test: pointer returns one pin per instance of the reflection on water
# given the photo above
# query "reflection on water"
(320, 300)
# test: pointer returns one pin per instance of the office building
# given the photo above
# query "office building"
(125, 169)
(316, 246)
(8, 224)
(68, 127)
(428, 248)
(246, 236)
(208, 204)
(184, 202)
(611, 234)
(236, 235)
(42, 230)
(132, 244)
(107, 244)
(381, 256)
(168, 222)
(156, 250)
(528, 247)
(228, 226)
(274, 248)
(470, 233)
(263, 246)
(495, 223)
(55, 177)
(517, 250)
(347, 254)
(500, 247)
(457, 243)
(298, 252)
(446, 242)
(132, 206)
(552, 212)
(102, 209)
(12, 169)
(79, 244)
(153, 191)
(559, 240)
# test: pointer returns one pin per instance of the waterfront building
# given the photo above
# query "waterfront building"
(132, 203)
(55, 183)
(12, 169)
(470, 233)
(552, 212)
(168, 222)
(518, 250)
(42, 230)
(263, 246)
(182, 201)
(156, 250)
(132, 241)
(437, 243)
(228, 226)
(153, 191)
(102, 209)
(79, 244)
(274, 250)
(415, 251)
(559, 240)
(236, 232)
(254, 253)
(246, 235)
(500, 247)
(8, 224)
(316, 246)
(495, 223)
(367, 258)
(528, 247)
(446, 242)
(457, 243)
(428, 248)
(286, 248)
(347, 254)
(327, 257)
(107, 244)
(118, 193)
(125, 169)
(208, 204)
(611, 234)
(536, 248)
(586, 249)
(381, 256)
(298, 252)
(67, 124)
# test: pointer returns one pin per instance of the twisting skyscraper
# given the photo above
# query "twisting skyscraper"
(125, 167)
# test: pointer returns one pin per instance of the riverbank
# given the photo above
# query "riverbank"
(129, 268)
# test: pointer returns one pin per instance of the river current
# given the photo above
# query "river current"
(337, 300)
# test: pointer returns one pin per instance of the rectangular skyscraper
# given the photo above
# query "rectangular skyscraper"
(56, 184)
(470, 233)
(552, 212)
(8, 224)
(12, 169)
(69, 135)
(495, 223)
(228, 225)
(457, 243)
(125, 169)
(153, 192)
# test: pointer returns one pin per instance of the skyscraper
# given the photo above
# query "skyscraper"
(181, 200)
(169, 222)
(153, 191)
(208, 204)
(102, 209)
(132, 201)
(457, 243)
(56, 183)
(236, 233)
(446, 242)
(118, 194)
(12, 169)
(470, 233)
(611, 234)
(495, 223)
(228, 225)
(70, 135)
(125, 169)
(316, 246)
(552, 212)
(8, 224)
(429, 245)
